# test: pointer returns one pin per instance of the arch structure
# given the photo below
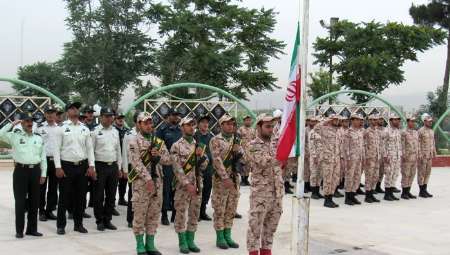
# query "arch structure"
(191, 85)
(35, 87)
(360, 92)
(438, 123)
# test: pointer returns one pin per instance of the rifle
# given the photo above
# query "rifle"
(198, 162)
(147, 160)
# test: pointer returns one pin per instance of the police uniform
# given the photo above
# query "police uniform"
(146, 204)
(74, 154)
(49, 196)
(169, 134)
(90, 185)
(108, 158)
(122, 187)
(30, 161)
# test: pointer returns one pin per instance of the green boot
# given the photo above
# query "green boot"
(140, 247)
(190, 236)
(150, 245)
(220, 240)
(227, 236)
(182, 244)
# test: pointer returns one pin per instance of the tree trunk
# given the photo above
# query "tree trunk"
(444, 102)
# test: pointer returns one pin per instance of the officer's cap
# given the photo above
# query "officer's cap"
(186, 120)
(50, 108)
(73, 104)
(410, 117)
(203, 117)
(120, 115)
(172, 111)
(393, 116)
(143, 116)
(225, 118)
(88, 108)
(356, 116)
(106, 111)
(264, 118)
(26, 116)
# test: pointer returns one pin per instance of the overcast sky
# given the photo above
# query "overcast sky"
(45, 32)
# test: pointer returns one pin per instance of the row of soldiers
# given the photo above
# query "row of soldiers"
(73, 155)
(339, 150)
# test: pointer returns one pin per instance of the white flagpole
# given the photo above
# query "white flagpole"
(300, 208)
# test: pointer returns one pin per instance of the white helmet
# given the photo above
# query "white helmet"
(277, 113)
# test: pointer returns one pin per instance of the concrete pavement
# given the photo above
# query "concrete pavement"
(420, 226)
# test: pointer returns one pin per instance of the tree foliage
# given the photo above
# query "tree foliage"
(320, 84)
(370, 55)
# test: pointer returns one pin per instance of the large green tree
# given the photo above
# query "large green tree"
(320, 84)
(49, 76)
(111, 48)
(218, 43)
(369, 56)
(436, 14)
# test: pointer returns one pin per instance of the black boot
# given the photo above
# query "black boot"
(360, 192)
(348, 200)
(353, 198)
(307, 187)
(244, 181)
(337, 194)
(395, 190)
(287, 190)
(164, 218)
(294, 178)
(368, 198)
(392, 190)
(410, 195)
(405, 193)
(426, 191)
(378, 189)
(387, 195)
(329, 202)
(172, 218)
(341, 184)
(373, 197)
(316, 193)
(204, 216)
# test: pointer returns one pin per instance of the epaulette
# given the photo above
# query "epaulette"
(40, 124)
(36, 133)
(16, 130)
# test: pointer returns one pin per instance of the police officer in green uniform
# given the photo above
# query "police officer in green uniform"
(30, 171)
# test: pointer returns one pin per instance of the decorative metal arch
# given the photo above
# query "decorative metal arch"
(35, 87)
(438, 123)
(190, 85)
(361, 92)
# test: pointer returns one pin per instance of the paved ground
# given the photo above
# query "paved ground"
(420, 226)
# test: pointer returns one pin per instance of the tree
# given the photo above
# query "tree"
(320, 84)
(111, 48)
(370, 55)
(217, 43)
(49, 76)
(435, 14)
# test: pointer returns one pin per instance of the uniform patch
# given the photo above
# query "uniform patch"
(21, 141)
(67, 130)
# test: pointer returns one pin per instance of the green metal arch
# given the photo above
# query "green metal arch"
(438, 123)
(361, 92)
(35, 87)
(190, 85)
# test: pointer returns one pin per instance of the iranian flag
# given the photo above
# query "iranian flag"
(288, 129)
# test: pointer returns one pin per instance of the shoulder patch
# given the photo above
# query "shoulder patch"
(36, 133)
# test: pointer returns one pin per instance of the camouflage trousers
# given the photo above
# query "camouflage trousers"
(264, 215)
(186, 203)
(306, 170)
(342, 172)
(224, 202)
(391, 171)
(381, 172)
(146, 207)
(330, 171)
(424, 171)
(409, 168)
(245, 170)
(291, 168)
(371, 173)
(316, 174)
(353, 175)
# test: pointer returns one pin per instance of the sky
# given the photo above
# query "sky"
(44, 33)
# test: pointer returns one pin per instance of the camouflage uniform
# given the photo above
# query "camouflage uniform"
(247, 134)
(329, 157)
(427, 151)
(224, 201)
(373, 157)
(341, 132)
(354, 156)
(180, 152)
(410, 152)
(381, 133)
(314, 153)
(146, 206)
(393, 152)
(266, 194)
(307, 168)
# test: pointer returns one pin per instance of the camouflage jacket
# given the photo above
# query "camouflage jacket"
(392, 143)
(427, 148)
(354, 144)
(220, 147)
(328, 146)
(410, 144)
(247, 134)
(372, 146)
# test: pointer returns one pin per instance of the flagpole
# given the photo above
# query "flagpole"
(301, 204)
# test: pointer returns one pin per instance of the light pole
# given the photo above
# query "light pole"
(330, 27)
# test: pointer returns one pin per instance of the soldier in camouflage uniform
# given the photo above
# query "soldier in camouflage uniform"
(247, 134)
(392, 156)
(372, 157)
(381, 132)
(329, 158)
(147, 187)
(309, 125)
(188, 159)
(314, 153)
(354, 156)
(427, 151)
(410, 153)
(225, 150)
(266, 192)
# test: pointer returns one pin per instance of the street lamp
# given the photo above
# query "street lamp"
(333, 22)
